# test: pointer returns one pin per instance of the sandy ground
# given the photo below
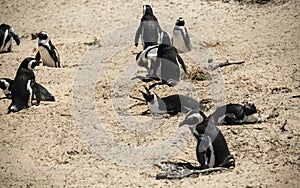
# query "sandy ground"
(46, 146)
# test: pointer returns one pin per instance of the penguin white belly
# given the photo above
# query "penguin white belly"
(29, 89)
(178, 42)
(46, 57)
(5, 46)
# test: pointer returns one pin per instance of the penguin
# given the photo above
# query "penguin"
(46, 51)
(149, 28)
(172, 104)
(165, 61)
(211, 150)
(24, 87)
(6, 35)
(181, 39)
(6, 86)
(235, 114)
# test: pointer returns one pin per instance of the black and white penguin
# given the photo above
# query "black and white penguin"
(172, 104)
(165, 61)
(24, 87)
(212, 150)
(6, 35)
(181, 39)
(149, 28)
(6, 86)
(47, 52)
(235, 114)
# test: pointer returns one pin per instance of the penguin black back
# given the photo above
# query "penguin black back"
(24, 87)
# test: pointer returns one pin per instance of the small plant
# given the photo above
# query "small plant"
(198, 74)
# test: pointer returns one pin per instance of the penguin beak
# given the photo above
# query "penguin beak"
(146, 97)
(38, 62)
(181, 123)
(147, 90)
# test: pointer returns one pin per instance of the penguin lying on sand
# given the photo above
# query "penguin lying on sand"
(172, 104)
(212, 150)
(149, 28)
(47, 52)
(235, 114)
(181, 39)
(24, 87)
(6, 35)
(6, 86)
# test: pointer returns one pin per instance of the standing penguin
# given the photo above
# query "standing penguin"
(6, 35)
(149, 28)
(24, 87)
(47, 52)
(6, 86)
(212, 150)
(181, 39)
(165, 61)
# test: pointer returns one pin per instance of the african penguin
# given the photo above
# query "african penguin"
(47, 52)
(181, 40)
(24, 87)
(212, 150)
(6, 35)
(164, 61)
(235, 114)
(6, 86)
(149, 28)
(172, 104)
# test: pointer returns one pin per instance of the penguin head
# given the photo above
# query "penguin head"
(180, 21)
(193, 118)
(249, 108)
(4, 27)
(3, 84)
(250, 112)
(165, 38)
(149, 96)
(43, 37)
(29, 63)
(147, 10)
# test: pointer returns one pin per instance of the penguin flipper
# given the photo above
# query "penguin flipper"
(54, 54)
(180, 60)
(38, 56)
(187, 40)
(137, 35)
(15, 37)
(45, 94)
(36, 92)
